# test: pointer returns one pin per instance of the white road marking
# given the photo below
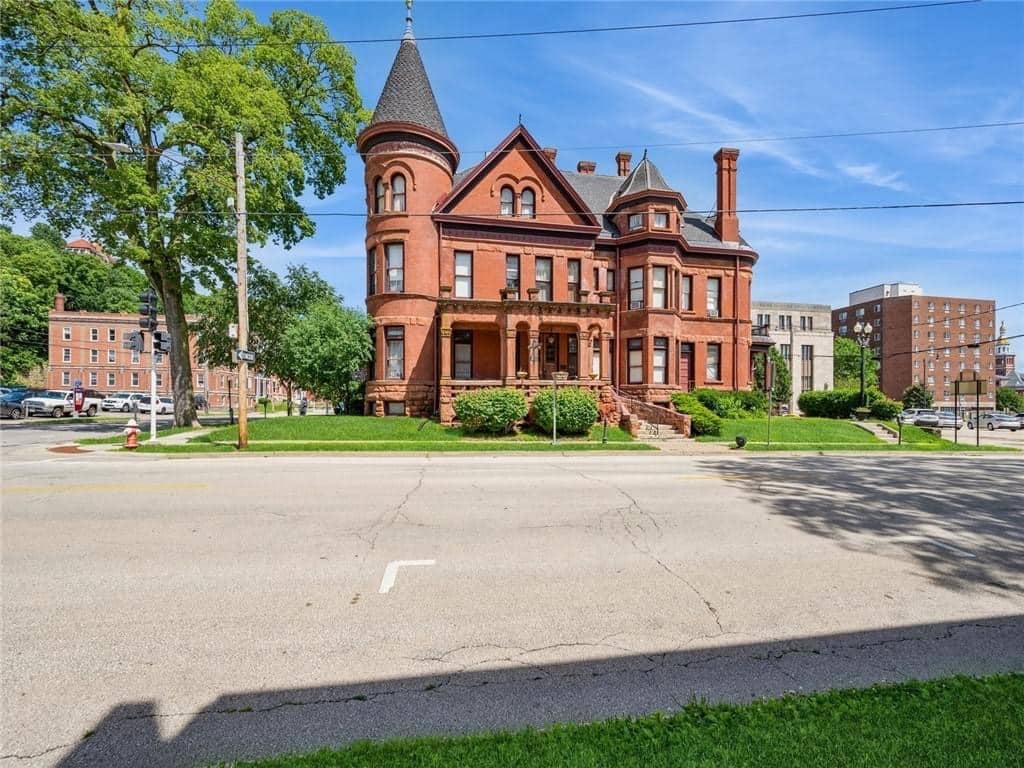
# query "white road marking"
(392, 571)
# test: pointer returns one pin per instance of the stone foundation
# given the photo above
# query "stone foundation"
(418, 398)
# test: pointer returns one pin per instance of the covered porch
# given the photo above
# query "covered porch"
(522, 346)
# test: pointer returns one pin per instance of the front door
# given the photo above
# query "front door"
(574, 356)
(685, 366)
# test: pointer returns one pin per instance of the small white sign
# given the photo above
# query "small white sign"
(233, 331)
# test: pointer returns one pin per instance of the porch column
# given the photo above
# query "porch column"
(607, 359)
(534, 354)
(446, 354)
(584, 356)
(508, 357)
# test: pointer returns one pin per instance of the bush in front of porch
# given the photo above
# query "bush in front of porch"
(577, 410)
(492, 411)
(703, 420)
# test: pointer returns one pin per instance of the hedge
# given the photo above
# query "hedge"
(885, 409)
(732, 405)
(840, 403)
(703, 420)
(495, 411)
(577, 410)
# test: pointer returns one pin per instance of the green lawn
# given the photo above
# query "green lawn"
(793, 429)
(793, 433)
(143, 435)
(367, 433)
(391, 428)
(950, 722)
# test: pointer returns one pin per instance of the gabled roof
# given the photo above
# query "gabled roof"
(463, 180)
(407, 96)
(644, 178)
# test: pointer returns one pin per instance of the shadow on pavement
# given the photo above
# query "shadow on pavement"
(251, 724)
(961, 536)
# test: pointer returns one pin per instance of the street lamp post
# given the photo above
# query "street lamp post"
(863, 338)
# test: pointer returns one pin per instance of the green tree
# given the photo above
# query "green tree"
(273, 305)
(1008, 399)
(917, 396)
(329, 345)
(43, 231)
(846, 365)
(782, 389)
(174, 83)
(23, 326)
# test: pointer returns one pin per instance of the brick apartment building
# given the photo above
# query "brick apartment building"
(920, 339)
(512, 270)
(87, 346)
(803, 335)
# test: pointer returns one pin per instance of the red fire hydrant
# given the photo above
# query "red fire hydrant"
(131, 435)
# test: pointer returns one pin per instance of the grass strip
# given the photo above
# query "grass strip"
(384, 446)
(955, 721)
(372, 428)
(143, 435)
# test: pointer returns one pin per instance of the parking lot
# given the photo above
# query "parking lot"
(987, 437)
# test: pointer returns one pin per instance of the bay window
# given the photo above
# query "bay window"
(394, 336)
(659, 287)
(636, 361)
(636, 288)
(395, 266)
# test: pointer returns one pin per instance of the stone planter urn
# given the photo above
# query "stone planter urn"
(522, 374)
(861, 413)
(533, 293)
(740, 441)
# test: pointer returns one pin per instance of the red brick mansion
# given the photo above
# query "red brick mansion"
(513, 270)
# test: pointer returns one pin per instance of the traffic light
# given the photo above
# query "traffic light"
(162, 342)
(147, 310)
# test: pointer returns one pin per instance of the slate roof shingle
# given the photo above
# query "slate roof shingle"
(407, 95)
(644, 178)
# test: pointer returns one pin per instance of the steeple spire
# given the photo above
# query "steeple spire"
(407, 95)
(408, 21)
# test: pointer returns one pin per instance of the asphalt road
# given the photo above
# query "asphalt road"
(167, 612)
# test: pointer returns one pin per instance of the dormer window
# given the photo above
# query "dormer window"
(507, 202)
(378, 195)
(636, 221)
(526, 204)
(398, 192)
(661, 219)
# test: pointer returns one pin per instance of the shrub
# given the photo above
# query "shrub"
(577, 410)
(731, 405)
(831, 404)
(703, 420)
(494, 411)
(885, 409)
(917, 396)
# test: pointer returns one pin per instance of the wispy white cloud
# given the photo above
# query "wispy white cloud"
(873, 174)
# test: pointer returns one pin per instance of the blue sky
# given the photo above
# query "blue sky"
(630, 90)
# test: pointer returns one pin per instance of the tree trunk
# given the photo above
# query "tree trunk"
(181, 353)
(289, 388)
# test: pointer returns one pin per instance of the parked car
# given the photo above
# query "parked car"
(163, 404)
(920, 417)
(949, 420)
(11, 403)
(9, 390)
(57, 403)
(993, 421)
(121, 401)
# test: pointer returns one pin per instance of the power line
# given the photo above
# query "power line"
(171, 154)
(496, 217)
(544, 32)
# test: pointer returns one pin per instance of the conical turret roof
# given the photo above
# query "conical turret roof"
(644, 178)
(407, 95)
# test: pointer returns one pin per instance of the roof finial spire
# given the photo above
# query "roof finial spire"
(645, 153)
(408, 21)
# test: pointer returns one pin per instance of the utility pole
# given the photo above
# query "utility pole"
(243, 293)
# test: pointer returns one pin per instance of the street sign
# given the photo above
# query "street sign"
(972, 387)
(233, 330)
(78, 383)
(245, 356)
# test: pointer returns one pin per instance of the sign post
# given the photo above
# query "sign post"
(769, 386)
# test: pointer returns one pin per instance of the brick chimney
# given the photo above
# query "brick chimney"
(727, 223)
(551, 152)
(586, 167)
(58, 302)
(622, 161)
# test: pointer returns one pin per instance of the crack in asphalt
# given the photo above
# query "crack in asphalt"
(369, 534)
(656, 662)
(641, 542)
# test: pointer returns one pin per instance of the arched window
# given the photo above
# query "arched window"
(526, 204)
(507, 202)
(398, 192)
(378, 195)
